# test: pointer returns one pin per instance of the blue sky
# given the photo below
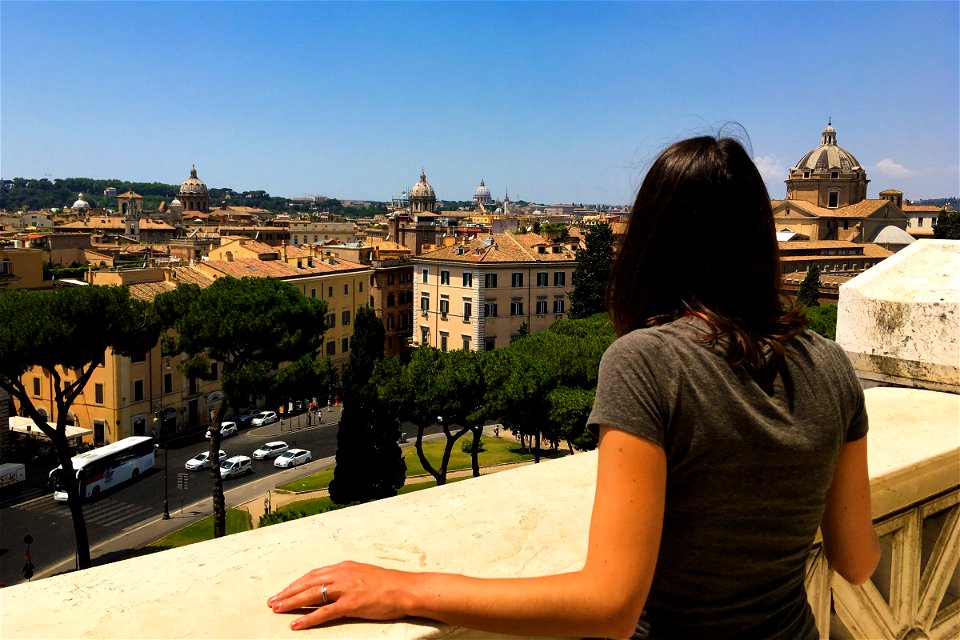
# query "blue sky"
(555, 102)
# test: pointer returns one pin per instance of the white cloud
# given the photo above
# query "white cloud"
(890, 168)
(770, 167)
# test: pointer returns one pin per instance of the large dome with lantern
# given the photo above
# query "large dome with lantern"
(828, 176)
(193, 184)
(828, 156)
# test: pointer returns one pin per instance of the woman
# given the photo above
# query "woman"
(728, 433)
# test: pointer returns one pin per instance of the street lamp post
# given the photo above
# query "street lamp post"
(166, 467)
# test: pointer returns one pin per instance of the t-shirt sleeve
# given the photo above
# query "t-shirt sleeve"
(857, 422)
(628, 396)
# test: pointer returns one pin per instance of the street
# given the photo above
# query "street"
(128, 506)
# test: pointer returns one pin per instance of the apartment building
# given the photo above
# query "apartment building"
(478, 294)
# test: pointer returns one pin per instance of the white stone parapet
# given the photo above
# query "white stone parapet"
(899, 321)
(526, 522)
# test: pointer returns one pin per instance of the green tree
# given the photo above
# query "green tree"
(592, 273)
(823, 320)
(370, 464)
(948, 225)
(809, 292)
(569, 410)
(67, 332)
(251, 327)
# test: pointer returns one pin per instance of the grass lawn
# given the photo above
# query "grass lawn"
(496, 451)
(313, 506)
(237, 521)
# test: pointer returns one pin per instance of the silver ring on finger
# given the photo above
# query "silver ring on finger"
(323, 593)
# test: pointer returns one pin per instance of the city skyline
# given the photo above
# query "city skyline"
(551, 102)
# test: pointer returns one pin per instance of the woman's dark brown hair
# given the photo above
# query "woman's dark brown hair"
(701, 242)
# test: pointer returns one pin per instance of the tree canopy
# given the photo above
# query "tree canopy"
(809, 292)
(67, 332)
(948, 226)
(252, 327)
(592, 274)
(370, 464)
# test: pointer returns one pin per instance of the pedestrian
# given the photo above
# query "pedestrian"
(728, 434)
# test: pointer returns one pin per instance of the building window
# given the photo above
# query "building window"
(542, 279)
(193, 386)
(313, 293)
(560, 279)
(541, 307)
(490, 281)
(331, 348)
(390, 322)
(833, 199)
(834, 175)
(490, 310)
(36, 387)
(331, 320)
(490, 343)
(466, 343)
(137, 390)
(468, 279)
(389, 278)
(167, 383)
(424, 275)
(516, 308)
(389, 299)
(516, 280)
(359, 287)
(806, 175)
(344, 345)
(425, 303)
(444, 307)
(345, 317)
(346, 289)
(330, 291)
(443, 341)
(467, 309)
(558, 306)
(444, 277)
(846, 224)
(98, 393)
(425, 336)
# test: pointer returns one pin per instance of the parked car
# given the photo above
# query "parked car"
(235, 466)
(202, 461)
(227, 429)
(292, 457)
(245, 419)
(270, 450)
(264, 418)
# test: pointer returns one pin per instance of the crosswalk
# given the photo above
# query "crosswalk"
(106, 512)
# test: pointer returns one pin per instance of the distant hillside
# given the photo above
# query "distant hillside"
(939, 202)
(33, 194)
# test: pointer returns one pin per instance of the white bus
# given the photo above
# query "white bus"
(100, 469)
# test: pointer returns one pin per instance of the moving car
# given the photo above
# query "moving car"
(292, 457)
(270, 450)
(227, 429)
(235, 466)
(264, 418)
(245, 419)
(202, 460)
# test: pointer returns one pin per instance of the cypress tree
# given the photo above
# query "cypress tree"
(809, 293)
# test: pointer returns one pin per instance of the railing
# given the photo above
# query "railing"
(524, 522)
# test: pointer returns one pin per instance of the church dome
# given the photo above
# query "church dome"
(176, 203)
(422, 189)
(193, 184)
(827, 157)
(482, 191)
(80, 203)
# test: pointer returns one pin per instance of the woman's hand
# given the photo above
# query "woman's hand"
(353, 590)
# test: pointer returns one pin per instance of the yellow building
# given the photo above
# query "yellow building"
(342, 284)
(478, 294)
(22, 269)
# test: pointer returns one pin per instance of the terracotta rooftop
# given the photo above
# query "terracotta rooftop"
(862, 209)
(503, 247)
(816, 244)
(149, 290)
(253, 267)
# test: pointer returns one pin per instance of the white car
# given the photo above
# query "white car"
(270, 450)
(202, 461)
(265, 418)
(235, 466)
(292, 457)
(227, 429)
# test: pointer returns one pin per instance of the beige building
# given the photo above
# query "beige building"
(22, 269)
(310, 233)
(343, 284)
(478, 294)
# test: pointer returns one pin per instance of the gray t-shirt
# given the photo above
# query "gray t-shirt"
(747, 473)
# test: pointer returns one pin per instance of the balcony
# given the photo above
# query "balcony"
(485, 527)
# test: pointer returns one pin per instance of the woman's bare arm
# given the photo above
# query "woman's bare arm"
(605, 598)
(849, 539)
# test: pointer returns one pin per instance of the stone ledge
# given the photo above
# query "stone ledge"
(525, 522)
